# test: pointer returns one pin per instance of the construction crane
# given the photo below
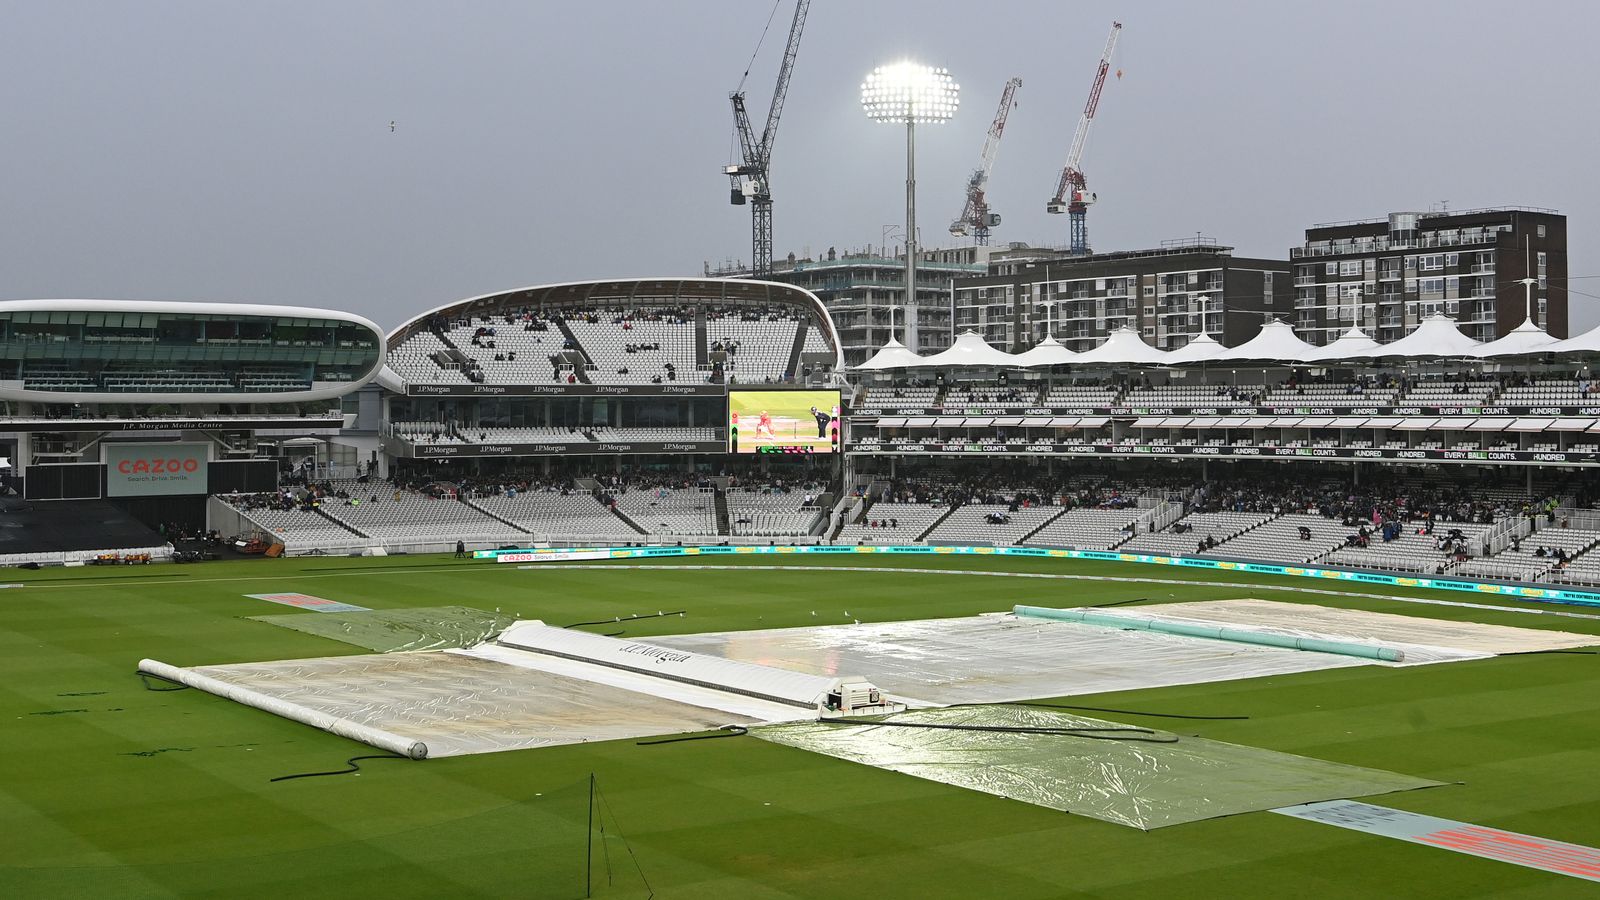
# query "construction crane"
(751, 182)
(1072, 194)
(975, 218)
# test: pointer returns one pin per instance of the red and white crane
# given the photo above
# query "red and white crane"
(1072, 193)
(975, 218)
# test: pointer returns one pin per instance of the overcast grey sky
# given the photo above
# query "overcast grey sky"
(219, 150)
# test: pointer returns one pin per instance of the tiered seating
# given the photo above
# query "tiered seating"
(1000, 397)
(1220, 525)
(690, 511)
(416, 517)
(412, 360)
(1410, 552)
(1332, 395)
(897, 398)
(1086, 529)
(909, 521)
(566, 434)
(1551, 392)
(606, 335)
(1279, 540)
(1448, 393)
(760, 514)
(1195, 395)
(577, 516)
(762, 345)
(1071, 395)
(1574, 541)
(967, 525)
(423, 432)
(298, 529)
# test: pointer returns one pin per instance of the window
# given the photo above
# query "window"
(1149, 290)
(1540, 231)
(1332, 268)
(1431, 262)
(1350, 267)
(1451, 260)
(1541, 263)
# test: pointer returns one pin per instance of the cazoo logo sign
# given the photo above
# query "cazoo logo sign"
(159, 466)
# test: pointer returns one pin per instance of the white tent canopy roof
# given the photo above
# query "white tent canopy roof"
(1437, 335)
(1350, 343)
(1588, 342)
(1124, 346)
(1525, 338)
(893, 355)
(1200, 348)
(970, 349)
(1048, 352)
(1276, 343)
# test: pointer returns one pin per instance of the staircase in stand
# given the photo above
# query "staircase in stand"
(937, 522)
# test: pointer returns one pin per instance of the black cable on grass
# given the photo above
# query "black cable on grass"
(1116, 603)
(726, 731)
(146, 676)
(1131, 712)
(1093, 734)
(1541, 652)
(350, 767)
(659, 615)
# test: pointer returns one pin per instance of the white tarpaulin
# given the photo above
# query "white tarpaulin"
(456, 704)
(998, 658)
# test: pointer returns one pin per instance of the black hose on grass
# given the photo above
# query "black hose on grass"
(350, 767)
(1093, 734)
(1131, 712)
(1116, 603)
(659, 615)
(1542, 652)
(725, 731)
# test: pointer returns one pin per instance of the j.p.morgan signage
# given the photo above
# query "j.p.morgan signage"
(565, 390)
(452, 451)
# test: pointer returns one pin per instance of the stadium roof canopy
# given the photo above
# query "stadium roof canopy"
(1200, 348)
(1588, 342)
(1350, 343)
(1435, 336)
(622, 293)
(1123, 346)
(893, 355)
(1525, 339)
(1275, 342)
(1048, 352)
(970, 349)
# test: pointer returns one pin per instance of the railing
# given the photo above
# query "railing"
(1500, 536)
(1576, 517)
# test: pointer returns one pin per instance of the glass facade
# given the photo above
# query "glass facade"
(117, 351)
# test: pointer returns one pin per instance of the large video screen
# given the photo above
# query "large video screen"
(783, 421)
(146, 470)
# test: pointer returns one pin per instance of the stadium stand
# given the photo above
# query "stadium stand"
(576, 516)
(671, 511)
(1180, 539)
(1086, 529)
(1280, 540)
(996, 524)
(891, 523)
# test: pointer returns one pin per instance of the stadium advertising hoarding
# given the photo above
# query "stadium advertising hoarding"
(146, 470)
(564, 390)
(1390, 454)
(453, 451)
(783, 421)
(1302, 410)
(1547, 594)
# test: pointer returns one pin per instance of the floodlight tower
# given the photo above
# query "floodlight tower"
(911, 93)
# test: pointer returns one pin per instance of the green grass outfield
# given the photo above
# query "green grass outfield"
(109, 790)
